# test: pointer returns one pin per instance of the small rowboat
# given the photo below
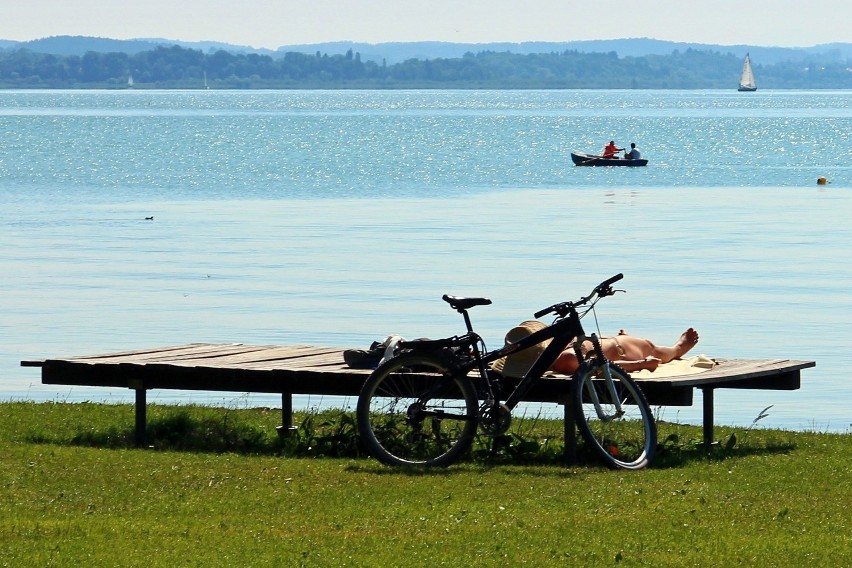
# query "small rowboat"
(583, 159)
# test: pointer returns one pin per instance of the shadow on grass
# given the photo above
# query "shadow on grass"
(334, 434)
(194, 429)
(681, 448)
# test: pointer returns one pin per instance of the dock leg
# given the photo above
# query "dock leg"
(141, 417)
(708, 416)
(570, 453)
(286, 415)
(286, 410)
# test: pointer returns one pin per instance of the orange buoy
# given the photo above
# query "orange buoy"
(821, 180)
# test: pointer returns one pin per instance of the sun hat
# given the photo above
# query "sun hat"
(517, 364)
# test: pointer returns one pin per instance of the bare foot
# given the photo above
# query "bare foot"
(688, 339)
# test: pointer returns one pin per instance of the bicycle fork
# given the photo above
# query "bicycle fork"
(602, 369)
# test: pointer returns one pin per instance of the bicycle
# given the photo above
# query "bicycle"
(422, 407)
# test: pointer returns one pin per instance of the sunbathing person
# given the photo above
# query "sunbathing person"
(629, 352)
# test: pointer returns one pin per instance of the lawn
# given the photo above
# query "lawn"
(219, 488)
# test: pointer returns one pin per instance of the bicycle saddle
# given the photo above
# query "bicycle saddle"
(465, 303)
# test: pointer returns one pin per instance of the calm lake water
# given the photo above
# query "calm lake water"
(338, 218)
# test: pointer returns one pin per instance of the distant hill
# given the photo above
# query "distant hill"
(397, 52)
(634, 47)
(80, 45)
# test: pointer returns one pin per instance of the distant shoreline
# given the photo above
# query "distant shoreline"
(176, 67)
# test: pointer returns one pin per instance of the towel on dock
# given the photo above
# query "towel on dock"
(677, 367)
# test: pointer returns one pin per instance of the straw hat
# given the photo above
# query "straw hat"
(517, 364)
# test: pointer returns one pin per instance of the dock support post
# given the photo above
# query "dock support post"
(708, 415)
(286, 410)
(141, 417)
(286, 415)
(570, 452)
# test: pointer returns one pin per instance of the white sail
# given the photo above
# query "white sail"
(747, 77)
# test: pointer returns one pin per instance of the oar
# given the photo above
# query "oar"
(592, 159)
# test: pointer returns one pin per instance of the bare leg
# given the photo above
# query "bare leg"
(687, 340)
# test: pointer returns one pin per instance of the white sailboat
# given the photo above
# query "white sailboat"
(747, 77)
(130, 81)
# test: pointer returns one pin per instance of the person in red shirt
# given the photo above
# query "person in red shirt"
(611, 150)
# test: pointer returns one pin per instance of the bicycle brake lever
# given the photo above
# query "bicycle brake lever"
(609, 292)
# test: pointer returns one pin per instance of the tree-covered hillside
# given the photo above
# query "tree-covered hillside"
(179, 67)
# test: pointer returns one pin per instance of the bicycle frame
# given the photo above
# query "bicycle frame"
(567, 328)
(561, 333)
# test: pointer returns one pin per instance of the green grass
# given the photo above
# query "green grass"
(219, 488)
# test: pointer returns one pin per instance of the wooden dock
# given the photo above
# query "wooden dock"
(312, 370)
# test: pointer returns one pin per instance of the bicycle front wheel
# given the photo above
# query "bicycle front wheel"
(414, 411)
(614, 417)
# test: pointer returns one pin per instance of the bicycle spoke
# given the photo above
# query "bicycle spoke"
(413, 413)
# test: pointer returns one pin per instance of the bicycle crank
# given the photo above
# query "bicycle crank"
(494, 418)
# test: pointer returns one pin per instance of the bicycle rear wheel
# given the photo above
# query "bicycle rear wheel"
(413, 410)
(625, 438)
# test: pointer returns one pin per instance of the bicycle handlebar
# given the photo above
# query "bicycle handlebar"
(609, 282)
(601, 290)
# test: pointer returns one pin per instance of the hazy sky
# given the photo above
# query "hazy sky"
(272, 23)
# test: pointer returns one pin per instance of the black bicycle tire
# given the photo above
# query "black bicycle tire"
(394, 377)
(609, 450)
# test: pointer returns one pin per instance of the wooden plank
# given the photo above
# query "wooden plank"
(187, 356)
(162, 353)
(204, 353)
(201, 355)
(282, 358)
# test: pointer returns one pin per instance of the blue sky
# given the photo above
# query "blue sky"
(272, 23)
